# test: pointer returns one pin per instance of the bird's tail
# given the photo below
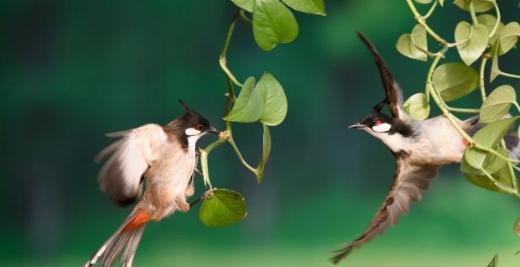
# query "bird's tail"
(123, 242)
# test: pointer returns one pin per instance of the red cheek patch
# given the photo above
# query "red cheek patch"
(378, 121)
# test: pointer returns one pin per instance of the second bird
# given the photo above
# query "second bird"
(419, 148)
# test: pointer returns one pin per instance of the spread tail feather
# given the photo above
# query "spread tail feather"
(123, 242)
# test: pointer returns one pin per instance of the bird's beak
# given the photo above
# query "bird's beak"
(213, 130)
(356, 126)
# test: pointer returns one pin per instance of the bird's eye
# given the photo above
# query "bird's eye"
(199, 127)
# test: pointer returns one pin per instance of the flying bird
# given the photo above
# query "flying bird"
(164, 158)
(419, 149)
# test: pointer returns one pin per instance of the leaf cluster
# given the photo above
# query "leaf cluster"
(483, 38)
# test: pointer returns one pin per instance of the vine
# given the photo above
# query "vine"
(486, 161)
(261, 101)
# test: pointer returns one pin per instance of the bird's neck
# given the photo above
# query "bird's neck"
(192, 142)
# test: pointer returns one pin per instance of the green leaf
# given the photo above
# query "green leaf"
(499, 169)
(454, 80)
(516, 227)
(495, 71)
(491, 134)
(477, 163)
(316, 7)
(275, 105)
(222, 207)
(249, 105)
(245, 4)
(503, 176)
(266, 151)
(478, 160)
(423, 1)
(490, 21)
(407, 43)
(273, 23)
(472, 41)
(509, 37)
(479, 5)
(441, 2)
(493, 262)
(497, 104)
(417, 106)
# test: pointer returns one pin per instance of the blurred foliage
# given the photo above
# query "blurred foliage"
(73, 70)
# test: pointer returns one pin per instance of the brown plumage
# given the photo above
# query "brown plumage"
(409, 182)
(419, 148)
(163, 157)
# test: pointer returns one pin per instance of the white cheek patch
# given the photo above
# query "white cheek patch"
(191, 131)
(382, 128)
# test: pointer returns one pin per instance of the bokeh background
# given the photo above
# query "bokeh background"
(74, 70)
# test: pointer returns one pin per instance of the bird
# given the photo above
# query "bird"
(419, 147)
(164, 158)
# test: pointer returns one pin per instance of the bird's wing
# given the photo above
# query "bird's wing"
(127, 160)
(409, 182)
(394, 94)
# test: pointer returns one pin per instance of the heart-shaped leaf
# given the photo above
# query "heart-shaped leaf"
(454, 80)
(417, 106)
(502, 176)
(249, 104)
(472, 41)
(266, 151)
(490, 21)
(407, 44)
(273, 23)
(497, 104)
(245, 4)
(491, 134)
(479, 160)
(316, 7)
(509, 37)
(479, 5)
(275, 105)
(222, 207)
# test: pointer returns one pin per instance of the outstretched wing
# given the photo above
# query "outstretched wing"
(127, 160)
(394, 94)
(409, 182)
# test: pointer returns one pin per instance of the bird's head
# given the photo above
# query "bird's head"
(383, 126)
(193, 124)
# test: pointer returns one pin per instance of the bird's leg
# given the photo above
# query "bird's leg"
(182, 204)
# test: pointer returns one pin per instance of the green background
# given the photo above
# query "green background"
(74, 70)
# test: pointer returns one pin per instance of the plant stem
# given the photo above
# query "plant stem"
(509, 75)
(452, 119)
(225, 136)
(463, 110)
(499, 18)
(472, 12)
(230, 97)
(231, 141)
(421, 20)
(223, 60)
(482, 83)
(430, 11)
